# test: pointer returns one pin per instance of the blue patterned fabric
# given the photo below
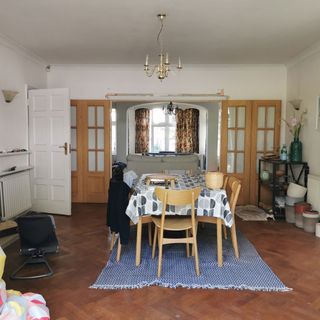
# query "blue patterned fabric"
(249, 272)
(211, 202)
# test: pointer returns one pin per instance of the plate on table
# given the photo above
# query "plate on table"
(160, 179)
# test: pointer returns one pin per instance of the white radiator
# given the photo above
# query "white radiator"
(314, 191)
(15, 196)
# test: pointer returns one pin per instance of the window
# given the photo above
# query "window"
(162, 131)
(114, 131)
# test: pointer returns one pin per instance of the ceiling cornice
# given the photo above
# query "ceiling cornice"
(19, 49)
(307, 53)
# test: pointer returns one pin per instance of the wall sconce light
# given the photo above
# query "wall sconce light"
(296, 103)
(9, 95)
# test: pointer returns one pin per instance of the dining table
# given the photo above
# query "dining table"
(210, 203)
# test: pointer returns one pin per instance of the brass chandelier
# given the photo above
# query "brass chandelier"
(170, 109)
(162, 69)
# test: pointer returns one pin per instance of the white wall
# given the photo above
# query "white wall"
(238, 81)
(17, 69)
(304, 83)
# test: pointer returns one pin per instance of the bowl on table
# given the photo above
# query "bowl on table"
(214, 179)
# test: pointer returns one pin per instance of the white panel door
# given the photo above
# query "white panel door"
(49, 130)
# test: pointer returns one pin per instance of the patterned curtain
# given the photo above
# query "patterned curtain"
(187, 139)
(142, 117)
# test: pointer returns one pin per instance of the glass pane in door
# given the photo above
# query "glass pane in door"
(269, 140)
(100, 161)
(91, 138)
(231, 117)
(92, 161)
(230, 162)
(231, 139)
(240, 162)
(260, 140)
(73, 117)
(73, 138)
(241, 117)
(73, 160)
(261, 117)
(100, 144)
(270, 117)
(91, 117)
(100, 116)
(240, 140)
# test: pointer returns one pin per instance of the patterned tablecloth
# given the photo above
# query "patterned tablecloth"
(211, 202)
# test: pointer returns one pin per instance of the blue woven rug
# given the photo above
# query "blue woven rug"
(249, 272)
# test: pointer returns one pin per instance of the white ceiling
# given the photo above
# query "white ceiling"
(123, 31)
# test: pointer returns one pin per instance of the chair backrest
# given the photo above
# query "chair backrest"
(177, 198)
(37, 232)
(228, 189)
(235, 191)
(225, 181)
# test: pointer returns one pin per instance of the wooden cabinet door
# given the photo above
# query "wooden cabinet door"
(91, 151)
(235, 143)
(249, 130)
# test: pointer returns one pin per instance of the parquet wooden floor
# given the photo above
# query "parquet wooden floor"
(290, 252)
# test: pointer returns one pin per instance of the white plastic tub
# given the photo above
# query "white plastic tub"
(310, 219)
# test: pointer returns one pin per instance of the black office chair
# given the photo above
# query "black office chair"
(37, 238)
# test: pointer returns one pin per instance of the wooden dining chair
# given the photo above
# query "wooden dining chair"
(235, 190)
(185, 223)
(142, 220)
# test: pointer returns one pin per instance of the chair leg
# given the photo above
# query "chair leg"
(195, 249)
(150, 234)
(33, 260)
(187, 244)
(118, 251)
(138, 242)
(154, 242)
(234, 241)
(160, 256)
(225, 232)
(219, 242)
(113, 237)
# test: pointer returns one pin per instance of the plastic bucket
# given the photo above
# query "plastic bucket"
(310, 219)
(299, 209)
(290, 214)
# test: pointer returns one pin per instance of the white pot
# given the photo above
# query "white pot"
(296, 191)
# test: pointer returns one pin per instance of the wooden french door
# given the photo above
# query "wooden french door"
(90, 150)
(235, 143)
(265, 137)
(249, 130)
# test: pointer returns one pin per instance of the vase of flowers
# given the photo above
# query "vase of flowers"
(295, 123)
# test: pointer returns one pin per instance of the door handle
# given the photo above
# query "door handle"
(65, 147)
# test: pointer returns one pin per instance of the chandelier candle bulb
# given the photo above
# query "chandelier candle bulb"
(147, 60)
(167, 58)
(179, 64)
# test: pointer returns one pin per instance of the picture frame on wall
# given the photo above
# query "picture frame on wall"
(318, 113)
